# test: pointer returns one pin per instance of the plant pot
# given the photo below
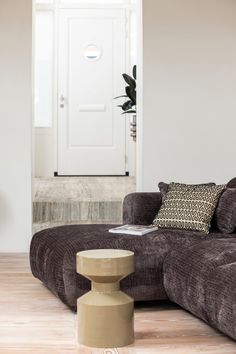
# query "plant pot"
(133, 126)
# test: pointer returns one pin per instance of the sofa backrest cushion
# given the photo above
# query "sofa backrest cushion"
(225, 213)
(188, 207)
(163, 188)
(231, 183)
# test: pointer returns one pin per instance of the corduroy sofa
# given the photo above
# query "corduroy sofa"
(195, 270)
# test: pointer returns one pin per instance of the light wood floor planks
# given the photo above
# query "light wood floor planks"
(32, 320)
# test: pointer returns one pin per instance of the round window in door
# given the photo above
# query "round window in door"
(92, 52)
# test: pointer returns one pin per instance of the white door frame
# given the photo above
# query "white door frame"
(139, 142)
(42, 134)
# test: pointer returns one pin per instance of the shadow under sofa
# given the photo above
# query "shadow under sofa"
(194, 270)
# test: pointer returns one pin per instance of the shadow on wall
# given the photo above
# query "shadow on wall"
(5, 214)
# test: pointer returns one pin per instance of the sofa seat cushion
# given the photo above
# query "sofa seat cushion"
(53, 258)
(53, 261)
(202, 279)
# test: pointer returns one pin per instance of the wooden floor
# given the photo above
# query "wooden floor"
(32, 320)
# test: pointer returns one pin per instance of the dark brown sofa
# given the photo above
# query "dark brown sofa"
(194, 270)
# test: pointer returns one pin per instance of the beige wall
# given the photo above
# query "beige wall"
(15, 130)
(189, 88)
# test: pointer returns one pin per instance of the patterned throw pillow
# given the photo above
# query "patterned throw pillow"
(164, 187)
(189, 207)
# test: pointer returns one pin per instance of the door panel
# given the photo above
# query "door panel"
(91, 131)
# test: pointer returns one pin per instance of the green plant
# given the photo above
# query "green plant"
(129, 106)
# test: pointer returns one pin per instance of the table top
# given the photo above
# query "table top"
(105, 254)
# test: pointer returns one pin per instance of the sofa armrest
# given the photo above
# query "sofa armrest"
(141, 208)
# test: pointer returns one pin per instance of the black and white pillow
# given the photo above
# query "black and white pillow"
(164, 187)
(189, 207)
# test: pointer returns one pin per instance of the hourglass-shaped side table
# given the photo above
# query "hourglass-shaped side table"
(105, 314)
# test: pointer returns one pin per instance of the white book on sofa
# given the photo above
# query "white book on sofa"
(138, 230)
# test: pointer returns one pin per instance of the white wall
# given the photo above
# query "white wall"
(189, 92)
(45, 156)
(15, 130)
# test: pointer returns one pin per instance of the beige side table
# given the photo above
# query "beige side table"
(105, 314)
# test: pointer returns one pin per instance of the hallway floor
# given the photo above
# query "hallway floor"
(69, 200)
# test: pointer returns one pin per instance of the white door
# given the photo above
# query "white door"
(91, 129)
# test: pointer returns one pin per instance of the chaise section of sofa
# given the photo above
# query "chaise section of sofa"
(53, 254)
(53, 261)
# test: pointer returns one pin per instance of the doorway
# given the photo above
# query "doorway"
(82, 49)
(84, 156)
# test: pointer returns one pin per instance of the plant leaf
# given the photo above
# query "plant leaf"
(129, 80)
(131, 93)
(120, 97)
(127, 105)
(130, 111)
(135, 72)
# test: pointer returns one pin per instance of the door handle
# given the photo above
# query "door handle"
(62, 101)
